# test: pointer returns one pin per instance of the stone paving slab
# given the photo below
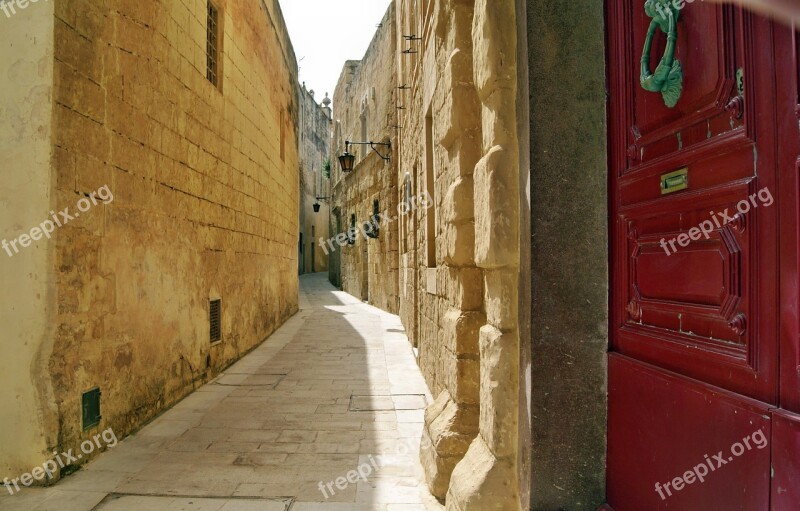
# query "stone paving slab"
(139, 503)
(277, 430)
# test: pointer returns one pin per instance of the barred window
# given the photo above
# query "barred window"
(212, 45)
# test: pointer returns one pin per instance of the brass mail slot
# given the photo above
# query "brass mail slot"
(675, 181)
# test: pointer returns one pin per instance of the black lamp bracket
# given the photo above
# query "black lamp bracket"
(347, 145)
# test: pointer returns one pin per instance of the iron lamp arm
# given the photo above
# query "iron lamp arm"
(372, 145)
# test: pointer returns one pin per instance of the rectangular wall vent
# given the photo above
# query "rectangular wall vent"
(91, 408)
(215, 319)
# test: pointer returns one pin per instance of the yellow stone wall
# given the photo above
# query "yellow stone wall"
(205, 205)
(460, 261)
(365, 109)
(27, 303)
(315, 149)
(442, 287)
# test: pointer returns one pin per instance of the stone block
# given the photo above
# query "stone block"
(499, 394)
(464, 287)
(464, 376)
(482, 482)
(495, 46)
(457, 206)
(461, 330)
(448, 431)
(497, 209)
(458, 244)
(501, 297)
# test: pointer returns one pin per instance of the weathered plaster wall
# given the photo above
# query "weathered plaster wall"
(27, 418)
(315, 149)
(569, 253)
(205, 184)
(364, 105)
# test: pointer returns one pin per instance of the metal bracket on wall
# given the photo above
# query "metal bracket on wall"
(347, 145)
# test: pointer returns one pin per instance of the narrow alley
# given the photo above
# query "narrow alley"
(400, 255)
(334, 393)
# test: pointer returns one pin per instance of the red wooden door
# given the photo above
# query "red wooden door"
(704, 273)
(786, 420)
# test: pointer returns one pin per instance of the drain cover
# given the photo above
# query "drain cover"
(269, 381)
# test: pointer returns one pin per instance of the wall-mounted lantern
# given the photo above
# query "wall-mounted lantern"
(347, 160)
(317, 205)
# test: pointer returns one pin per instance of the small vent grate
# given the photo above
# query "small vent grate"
(214, 316)
(91, 408)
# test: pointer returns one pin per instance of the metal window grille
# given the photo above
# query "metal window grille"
(212, 45)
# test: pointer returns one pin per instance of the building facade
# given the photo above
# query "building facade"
(171, 140)
(315, 167)
(365, 201)
(461, 259)
(577, 363)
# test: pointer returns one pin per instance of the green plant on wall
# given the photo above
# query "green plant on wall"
(327, 167)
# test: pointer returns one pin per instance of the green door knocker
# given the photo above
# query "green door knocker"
(668, 78)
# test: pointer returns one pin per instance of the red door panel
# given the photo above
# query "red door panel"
(710, 58)
(786, 462)
(707, 310)
(680, 426)
(694, 310)
(704, 322)
(788, 51)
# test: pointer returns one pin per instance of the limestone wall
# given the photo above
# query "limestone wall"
(365, 109)
(315, 150)
(442, 299)
(204, 182)
(27, 296)
(461, 260)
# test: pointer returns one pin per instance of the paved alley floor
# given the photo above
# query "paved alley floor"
(334, 394)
